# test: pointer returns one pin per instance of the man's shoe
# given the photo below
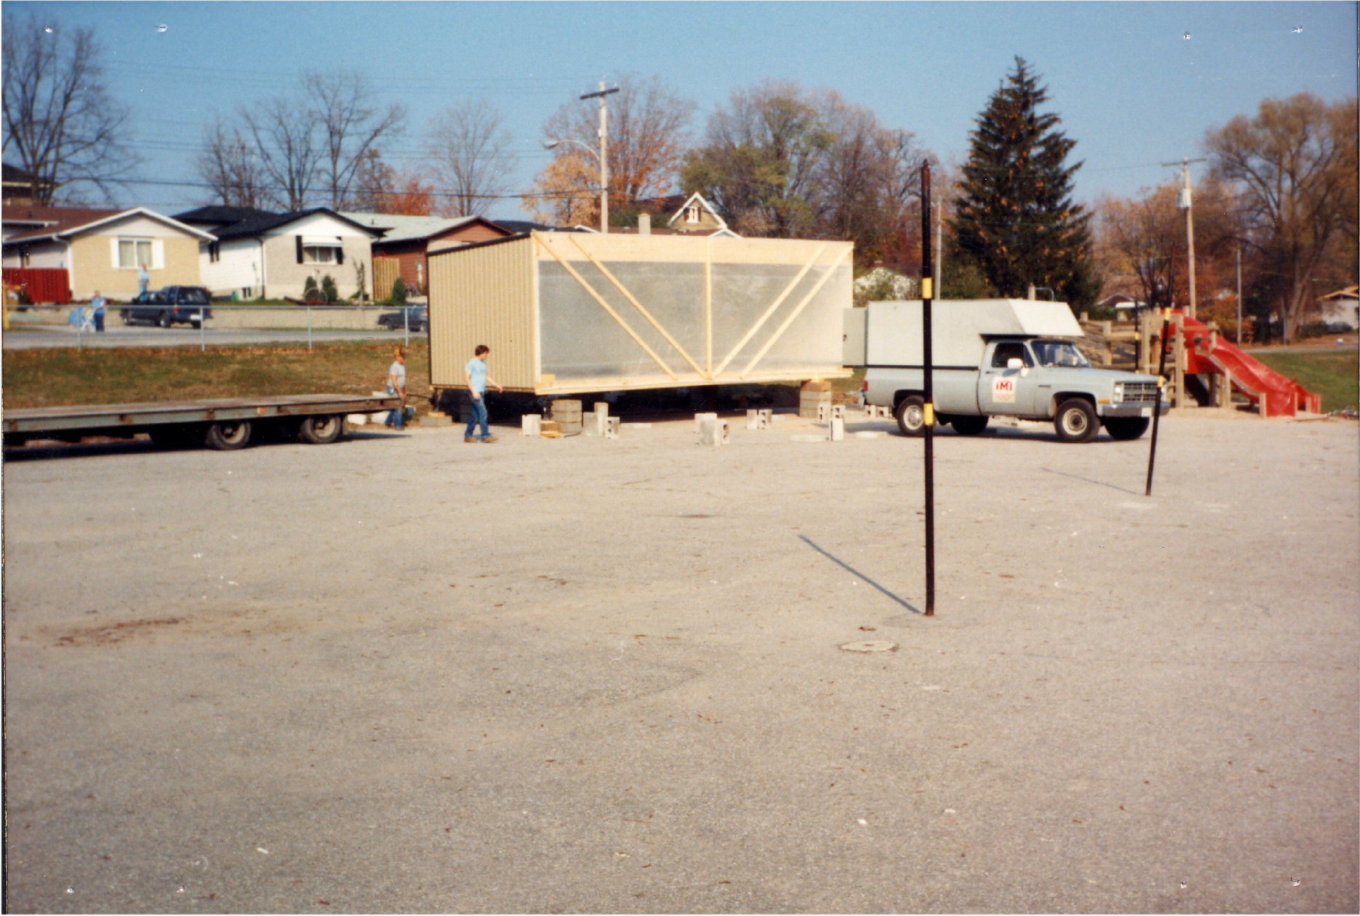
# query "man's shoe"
(469, 439)
(490, 439)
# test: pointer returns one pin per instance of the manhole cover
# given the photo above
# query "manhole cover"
(869, 645)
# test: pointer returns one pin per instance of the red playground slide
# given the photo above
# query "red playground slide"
(1274, 394)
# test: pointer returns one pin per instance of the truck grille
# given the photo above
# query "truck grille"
(1140, 393)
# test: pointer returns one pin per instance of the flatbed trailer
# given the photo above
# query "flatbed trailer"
(226, 423)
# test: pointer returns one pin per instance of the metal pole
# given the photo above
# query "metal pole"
(1239, 295)
(309, 327)
(927, 299)
(202, 342)
(1157, 408)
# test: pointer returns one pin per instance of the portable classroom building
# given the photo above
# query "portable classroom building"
(573, 312)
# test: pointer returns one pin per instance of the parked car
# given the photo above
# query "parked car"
(169, 306)
(417, 317)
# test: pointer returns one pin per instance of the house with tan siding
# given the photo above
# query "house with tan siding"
(104, 250)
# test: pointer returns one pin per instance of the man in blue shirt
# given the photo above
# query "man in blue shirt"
(477, 375)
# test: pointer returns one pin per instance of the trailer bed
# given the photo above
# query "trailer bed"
(224, 422)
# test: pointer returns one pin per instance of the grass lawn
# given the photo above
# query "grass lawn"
(1334, 374)
(49, 377)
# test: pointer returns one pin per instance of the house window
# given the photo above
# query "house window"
(318, 254)
(692, 214)
(134, 253)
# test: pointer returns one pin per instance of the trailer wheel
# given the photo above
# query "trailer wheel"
(968, 426)
(321, 430)
(1076, 421)
(911, 415)
(227, 434)
(1126, 428)
(163, 320)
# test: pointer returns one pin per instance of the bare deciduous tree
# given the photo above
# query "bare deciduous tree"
(60, 123)
(647, 137)
(470, 153)
(1295, 163)
(350, 124)
(230, 165)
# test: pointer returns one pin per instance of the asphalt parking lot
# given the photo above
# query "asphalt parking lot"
(406, 674)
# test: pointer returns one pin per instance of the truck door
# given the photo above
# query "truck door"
(1003, 389)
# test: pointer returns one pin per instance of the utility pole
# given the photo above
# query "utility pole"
(1185, 204)
(604, 152)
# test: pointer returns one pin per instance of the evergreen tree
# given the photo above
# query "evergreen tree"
(1015, 219)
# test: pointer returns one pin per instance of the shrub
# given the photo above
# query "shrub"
(399, 292)
(329, 291)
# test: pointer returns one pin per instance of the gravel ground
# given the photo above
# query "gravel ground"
(405, 674)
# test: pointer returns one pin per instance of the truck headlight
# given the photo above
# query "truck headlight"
(1119, 392)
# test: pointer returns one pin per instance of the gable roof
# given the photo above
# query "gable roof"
(698, 198)
(397, 227)
(242, 222)
(62, 222)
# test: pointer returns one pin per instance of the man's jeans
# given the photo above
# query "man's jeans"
(478, 417)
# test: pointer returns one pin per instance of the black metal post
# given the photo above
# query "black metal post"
(927, 299)
(1157, 408)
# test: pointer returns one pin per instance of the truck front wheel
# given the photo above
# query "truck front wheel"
(1076, 421)
(911, 415)
(1126, 428)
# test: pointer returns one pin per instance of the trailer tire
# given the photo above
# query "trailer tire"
(1126, 428)
(968, 426)
(911, 415)
(321, 430)
(163, 320)
(1076, 421)
(225, 435)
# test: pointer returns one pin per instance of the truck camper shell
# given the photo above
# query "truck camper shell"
(576, 312)
(888, 334)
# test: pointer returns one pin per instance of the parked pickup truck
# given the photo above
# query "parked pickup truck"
(169, 306)
(993, 357)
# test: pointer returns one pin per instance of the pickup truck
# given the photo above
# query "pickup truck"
(169, 306)
(413, 317)
(993, 357)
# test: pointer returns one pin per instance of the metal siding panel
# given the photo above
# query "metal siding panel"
(484, 296)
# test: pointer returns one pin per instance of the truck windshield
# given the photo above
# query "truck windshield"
(1058, 353)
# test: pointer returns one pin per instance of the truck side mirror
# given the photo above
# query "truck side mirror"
(1015, 362)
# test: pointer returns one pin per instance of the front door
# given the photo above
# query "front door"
(1005, 390)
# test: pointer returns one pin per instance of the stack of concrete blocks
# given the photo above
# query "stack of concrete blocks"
(712, 431)
(531, 424)
(835, 426)
(759, 419)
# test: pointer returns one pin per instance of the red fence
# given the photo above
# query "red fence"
(44, 284)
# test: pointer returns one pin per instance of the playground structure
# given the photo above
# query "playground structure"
(1202, 364)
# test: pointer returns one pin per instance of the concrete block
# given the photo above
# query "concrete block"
(593, 424)
(759, 419)
(436, 420)
(823, 412)
(714, 432)
(838, 410)
(835, 430)
(611, 427)
(701, 418)
(531, 424)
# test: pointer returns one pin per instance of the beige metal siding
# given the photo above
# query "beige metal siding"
(485, 296)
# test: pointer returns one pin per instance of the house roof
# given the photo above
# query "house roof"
(404, 228)
(60, 222)
(698, 198)
(243, 222)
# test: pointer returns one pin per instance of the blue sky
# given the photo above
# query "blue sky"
(1136, 84)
